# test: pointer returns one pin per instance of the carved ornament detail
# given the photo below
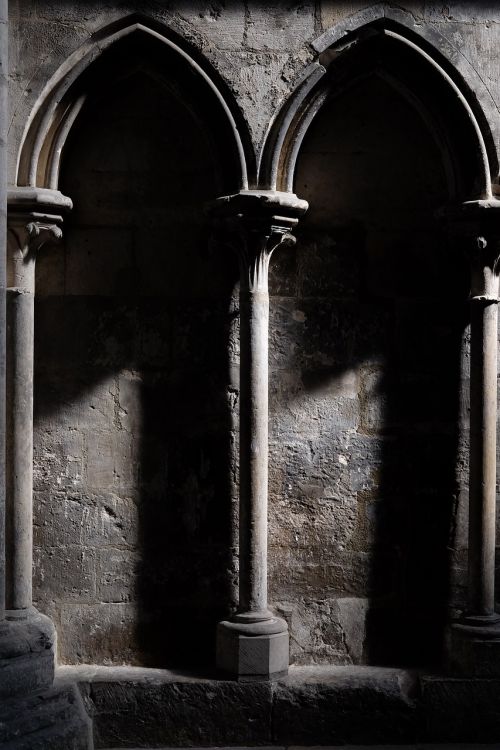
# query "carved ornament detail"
(255, 223)
(485, 270)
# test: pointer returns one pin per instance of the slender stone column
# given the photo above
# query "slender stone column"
(483, 429)
(474, 646)
(32, 222)
(254, 643)
(3, 257)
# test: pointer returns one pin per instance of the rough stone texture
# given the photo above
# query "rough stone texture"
(151, 707)
(336, 706)
(460, 709)
(364, 393)
(331, 706)
(134, 447)
(27, 656)
(53, 720)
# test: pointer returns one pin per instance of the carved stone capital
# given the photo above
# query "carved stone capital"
(474, 219)
(478, 224)
(35, 217)
(484, 256)
(254, 223)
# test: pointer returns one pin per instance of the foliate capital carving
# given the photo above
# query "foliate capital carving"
(254, 223)
(254, 246)
(27, 237)
(477, 224)
(35, 217)
(484, 253)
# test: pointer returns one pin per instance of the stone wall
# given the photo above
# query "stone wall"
(366, 356)
(136, 355)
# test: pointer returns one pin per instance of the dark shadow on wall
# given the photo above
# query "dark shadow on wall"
(133, 393)
(369, 320)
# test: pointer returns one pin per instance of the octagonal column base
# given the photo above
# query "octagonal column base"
(253, 651)
(473, 647)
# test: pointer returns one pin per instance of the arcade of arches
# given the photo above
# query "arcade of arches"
(250, 366)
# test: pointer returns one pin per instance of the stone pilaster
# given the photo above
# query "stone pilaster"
(474, 644)
(254, 643)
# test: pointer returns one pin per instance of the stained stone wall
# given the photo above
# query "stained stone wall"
(136, 349)
(134, 436)
(366, 346)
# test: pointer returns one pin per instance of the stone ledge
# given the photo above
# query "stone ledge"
(460, 709)
(329, 705)
(341, 706)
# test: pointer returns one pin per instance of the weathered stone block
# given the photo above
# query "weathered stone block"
(316, 627)
(70, 403)
(131, 707)
(91, 520)
(65, 573)
(117, 573)
(460, 709)
(335, 705)
(112, 460)
(106, 629)
(59, 460)
(54, 720)
(224, 24)
(279, 27)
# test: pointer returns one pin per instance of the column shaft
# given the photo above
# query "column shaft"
(483, 418)
(253, 450)
(20, 337)
(253, 644)
(28, 231)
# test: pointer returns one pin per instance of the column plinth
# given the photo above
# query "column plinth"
(253, 644)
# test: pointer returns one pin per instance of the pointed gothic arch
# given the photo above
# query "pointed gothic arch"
(97, 64)
(445, 90)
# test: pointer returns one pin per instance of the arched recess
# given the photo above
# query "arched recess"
(376, 318)
(443, 87)
(134, 333)
(64, 96)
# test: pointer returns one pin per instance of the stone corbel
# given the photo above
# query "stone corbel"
(253, 644)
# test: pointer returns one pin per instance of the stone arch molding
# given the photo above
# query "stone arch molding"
(61, 101)
(448, 64)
